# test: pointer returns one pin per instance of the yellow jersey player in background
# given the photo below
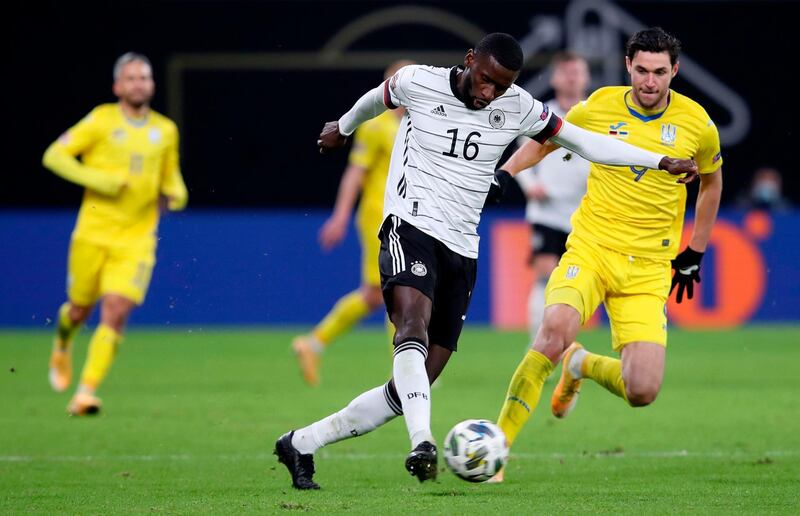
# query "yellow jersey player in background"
(129, 167)
(367, 169)
(625, 233)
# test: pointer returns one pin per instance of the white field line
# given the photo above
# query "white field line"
(612, 454)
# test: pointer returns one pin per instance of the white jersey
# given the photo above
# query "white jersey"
(445, 154)
(563, 174)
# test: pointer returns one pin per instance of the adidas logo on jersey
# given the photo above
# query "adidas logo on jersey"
(439, 110)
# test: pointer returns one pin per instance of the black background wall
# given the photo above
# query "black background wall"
(249, 126)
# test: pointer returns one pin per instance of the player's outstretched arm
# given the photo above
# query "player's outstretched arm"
(528, 156)
(58, 160)
(370, 105)
(610, 151)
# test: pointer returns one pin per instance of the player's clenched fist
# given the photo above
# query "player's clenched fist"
(330, 138)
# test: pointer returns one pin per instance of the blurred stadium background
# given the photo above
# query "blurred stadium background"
(250, 97)
(250, 84)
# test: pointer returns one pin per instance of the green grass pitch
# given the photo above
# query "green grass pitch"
(190, 419)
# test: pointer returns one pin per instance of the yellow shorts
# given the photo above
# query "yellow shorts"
(368, 228)
(96, 270)
(633, 289)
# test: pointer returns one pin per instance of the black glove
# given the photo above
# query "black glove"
(687, 272)
(498, 188)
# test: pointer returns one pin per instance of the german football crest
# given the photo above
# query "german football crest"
(419, 269)
(497, 118)
(668, 134)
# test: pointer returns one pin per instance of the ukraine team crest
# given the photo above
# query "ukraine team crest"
(668, 134)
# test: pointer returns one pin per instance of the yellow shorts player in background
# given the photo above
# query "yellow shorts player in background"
(367, 168)
(625, 234)
(129, 167)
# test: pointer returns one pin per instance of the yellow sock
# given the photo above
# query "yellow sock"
(523, 393)
(348, 310)
(102, 349)
(606, 371)
(66, 330)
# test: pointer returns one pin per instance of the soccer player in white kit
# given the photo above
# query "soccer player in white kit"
(555, 186)
(457, 124)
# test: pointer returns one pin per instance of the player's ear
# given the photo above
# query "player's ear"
(115, 87)
(675, 68)
(628, 64)
(469, 58)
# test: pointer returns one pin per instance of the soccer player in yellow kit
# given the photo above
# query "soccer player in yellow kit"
(129, 167)
(625, 233)
(368, 166)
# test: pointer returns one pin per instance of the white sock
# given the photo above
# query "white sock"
(575, 363)
(414, 390)
(536, 306)
(362, 415)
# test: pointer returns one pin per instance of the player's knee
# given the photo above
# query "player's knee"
(641, 393)
(555, 334)
(115, 312)
(409, 327)
(78, 314)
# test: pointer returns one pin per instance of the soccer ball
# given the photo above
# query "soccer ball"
(475, 450)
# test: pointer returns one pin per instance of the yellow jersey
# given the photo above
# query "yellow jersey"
(125, 165)
(372, 151)
(639, 211)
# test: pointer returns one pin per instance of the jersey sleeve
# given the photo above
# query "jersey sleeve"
(537, 122)
(82, 136)
(396, 87)
(709, 156)
(365, 147)
(61, 157)
(172, 185)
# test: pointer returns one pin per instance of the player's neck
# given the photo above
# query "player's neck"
(661, 106)
(457, 83)
(133, 112)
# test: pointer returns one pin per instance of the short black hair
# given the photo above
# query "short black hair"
(504, 48)
(654, 39)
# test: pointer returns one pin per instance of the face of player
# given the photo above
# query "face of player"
(483, 80)
(135, 84)
(571, 78)
(651, 74)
